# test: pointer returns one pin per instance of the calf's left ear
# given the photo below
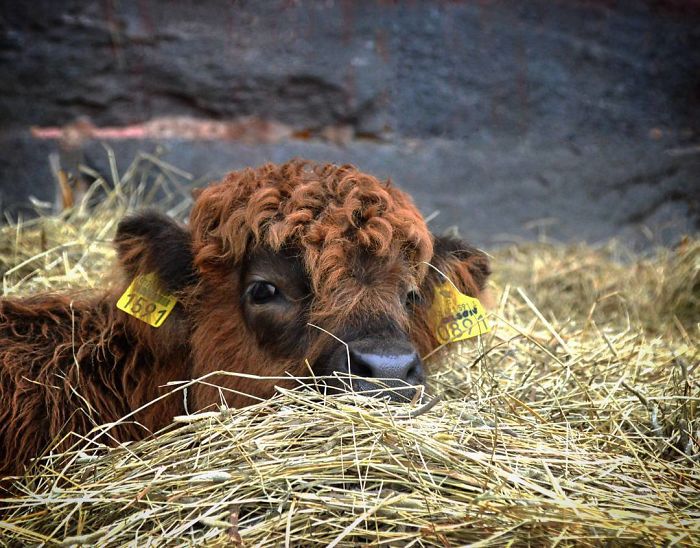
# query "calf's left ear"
(153, 242)
(465, 265)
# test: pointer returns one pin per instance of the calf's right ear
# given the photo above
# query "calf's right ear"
(151, 241)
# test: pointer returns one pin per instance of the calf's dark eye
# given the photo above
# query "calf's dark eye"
(262, 292)
(413, 298)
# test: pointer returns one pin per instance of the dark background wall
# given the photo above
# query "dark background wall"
(506, 116)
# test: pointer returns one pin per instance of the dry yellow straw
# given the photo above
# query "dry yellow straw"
(575, 424)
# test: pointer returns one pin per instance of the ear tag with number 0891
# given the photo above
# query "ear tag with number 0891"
(456, 316)
(145, 300)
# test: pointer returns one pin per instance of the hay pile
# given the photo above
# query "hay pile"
(576, 421)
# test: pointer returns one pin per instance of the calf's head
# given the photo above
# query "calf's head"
(300, 269)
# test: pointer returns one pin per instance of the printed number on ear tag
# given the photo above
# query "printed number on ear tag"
(144, 299)
(456, 316)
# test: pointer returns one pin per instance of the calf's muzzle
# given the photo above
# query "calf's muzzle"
(383, 366)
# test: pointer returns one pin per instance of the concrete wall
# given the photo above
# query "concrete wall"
(581, 116)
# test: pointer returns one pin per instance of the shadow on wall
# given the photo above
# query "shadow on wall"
(577, 119)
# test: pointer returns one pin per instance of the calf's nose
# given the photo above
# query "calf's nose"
(381, 366)
(397, 364)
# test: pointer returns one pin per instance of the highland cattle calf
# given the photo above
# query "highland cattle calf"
(273, 261)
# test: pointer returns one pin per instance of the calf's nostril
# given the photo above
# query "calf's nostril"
(360, 366)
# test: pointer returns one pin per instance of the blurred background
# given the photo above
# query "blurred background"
(573, 120)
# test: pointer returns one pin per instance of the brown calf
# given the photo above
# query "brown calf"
(270, 255)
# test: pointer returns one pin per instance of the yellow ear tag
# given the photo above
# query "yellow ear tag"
(456, 316)
(144, 299)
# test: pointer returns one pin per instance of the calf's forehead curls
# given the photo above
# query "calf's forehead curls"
(345, 224)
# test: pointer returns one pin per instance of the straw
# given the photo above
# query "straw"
(574, 422)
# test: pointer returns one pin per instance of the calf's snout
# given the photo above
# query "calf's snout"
(385, 360)
(385, 366)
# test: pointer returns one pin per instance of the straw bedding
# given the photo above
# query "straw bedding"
(575, 422)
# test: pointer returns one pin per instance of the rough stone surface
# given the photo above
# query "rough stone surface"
(579, 119)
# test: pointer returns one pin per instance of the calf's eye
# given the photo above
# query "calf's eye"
(262, 292)
(413, 298)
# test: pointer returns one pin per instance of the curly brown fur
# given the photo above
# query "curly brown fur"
(358, 246)
(70, 362)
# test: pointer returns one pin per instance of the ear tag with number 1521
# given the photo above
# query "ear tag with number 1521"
(145, 300)
(456, 316)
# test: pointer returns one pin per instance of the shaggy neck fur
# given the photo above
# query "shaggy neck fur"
(70, 362)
